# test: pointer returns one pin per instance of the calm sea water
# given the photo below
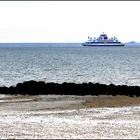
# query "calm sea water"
(69, 63)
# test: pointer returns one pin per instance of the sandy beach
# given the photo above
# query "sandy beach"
(55, 116)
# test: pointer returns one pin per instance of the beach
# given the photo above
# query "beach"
(69, 116)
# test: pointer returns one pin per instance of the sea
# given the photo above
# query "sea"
(68, 62)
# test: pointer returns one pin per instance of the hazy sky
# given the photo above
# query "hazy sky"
(68, 21)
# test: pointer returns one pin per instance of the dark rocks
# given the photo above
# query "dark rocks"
(36, 88)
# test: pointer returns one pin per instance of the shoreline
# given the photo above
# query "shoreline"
(68, 102)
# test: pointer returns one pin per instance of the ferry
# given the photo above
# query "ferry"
(103, 40)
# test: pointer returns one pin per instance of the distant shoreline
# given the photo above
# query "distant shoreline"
(55, 44)
(42, 44)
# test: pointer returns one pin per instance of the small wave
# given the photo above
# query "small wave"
(133, 81)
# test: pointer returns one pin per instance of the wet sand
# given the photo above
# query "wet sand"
(55, 116)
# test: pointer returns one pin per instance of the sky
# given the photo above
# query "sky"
(68, 21)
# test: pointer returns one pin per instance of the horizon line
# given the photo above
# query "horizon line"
(50, 42)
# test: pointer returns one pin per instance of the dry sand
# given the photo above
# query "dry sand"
(53, 116)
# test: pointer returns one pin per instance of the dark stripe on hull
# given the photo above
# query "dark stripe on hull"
(103, 45)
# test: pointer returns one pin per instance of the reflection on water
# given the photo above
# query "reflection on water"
(117, 65)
